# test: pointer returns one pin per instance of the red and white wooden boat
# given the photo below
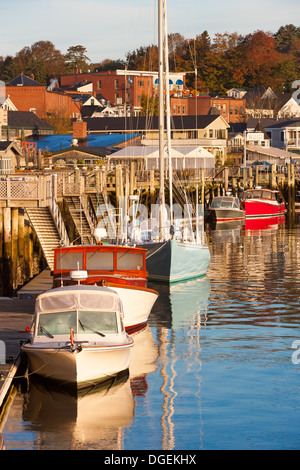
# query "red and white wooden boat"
(263, 203)
(119, 267)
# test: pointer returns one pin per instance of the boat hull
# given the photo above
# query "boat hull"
(224, 215)
(137, 305)
(257, 208)
(174, 261)
(78, 369)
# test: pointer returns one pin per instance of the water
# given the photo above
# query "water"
(213, 370)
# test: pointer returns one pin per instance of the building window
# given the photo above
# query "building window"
(224, 108)
(140, 82)
(211, 133)
(231, 110)
(116, 84)
(184, 109)
(99, 84)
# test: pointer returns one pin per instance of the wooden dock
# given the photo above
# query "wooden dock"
(15, 315)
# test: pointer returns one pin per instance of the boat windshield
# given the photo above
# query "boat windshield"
(94, 322)
(58, 323)
(224, 203)
(89, 322)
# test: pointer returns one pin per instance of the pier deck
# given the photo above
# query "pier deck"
(15, 315)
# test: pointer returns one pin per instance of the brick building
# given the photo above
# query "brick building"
(122, 87)
(232, 109)
(30, 95)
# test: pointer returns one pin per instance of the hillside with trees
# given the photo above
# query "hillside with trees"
(225, 61)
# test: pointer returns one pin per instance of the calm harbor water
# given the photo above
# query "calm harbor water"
(213, 370)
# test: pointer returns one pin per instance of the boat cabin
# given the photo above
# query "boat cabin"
(259, 193)
(86, 310)
(122, 265)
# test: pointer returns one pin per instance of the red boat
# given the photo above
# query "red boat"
(124, 265)
(118, 267)
(263, 203)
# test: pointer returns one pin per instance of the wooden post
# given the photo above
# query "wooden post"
(256, 176)
(291, 187)
(273, 177)
(152, 188)
(245, 177)
(250, 183)
(14, 246)
(234, 183)
(132, 178)
(7, 268)
(226, 170)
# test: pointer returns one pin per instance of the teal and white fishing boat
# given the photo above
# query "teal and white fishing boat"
(176, 247)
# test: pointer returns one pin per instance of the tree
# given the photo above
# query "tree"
(8, 69)
(149, 105)
(260, 59)
(285, 37)
(76, 58)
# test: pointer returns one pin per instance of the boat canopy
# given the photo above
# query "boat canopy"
(79, 297)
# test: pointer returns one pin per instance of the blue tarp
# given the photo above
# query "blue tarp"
(52, 143)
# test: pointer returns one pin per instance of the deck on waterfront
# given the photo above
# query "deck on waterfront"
(15, 315)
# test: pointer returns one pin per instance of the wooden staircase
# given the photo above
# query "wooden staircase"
(45, 228)
(80, 219)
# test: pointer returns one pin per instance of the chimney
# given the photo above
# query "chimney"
(80, 130)
(32, 76)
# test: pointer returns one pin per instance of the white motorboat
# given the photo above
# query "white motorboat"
(78, 336)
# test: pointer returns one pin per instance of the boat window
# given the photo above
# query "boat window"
(227, 204)
(97, 322)
(216, 203)
(236, 204)
(252, 194)
(58, 323)
(69, 260)
(100, 261)
(129, 261)
(267, 195)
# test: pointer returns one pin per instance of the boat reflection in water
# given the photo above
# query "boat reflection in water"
(180, 312)
(256, 225)
(96, 417)
(225, 231)
(188, 299)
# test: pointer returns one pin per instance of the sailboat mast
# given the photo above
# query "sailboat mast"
(168, 110)
(161, 115)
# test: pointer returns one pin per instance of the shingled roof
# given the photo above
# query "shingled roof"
(142, 123)
(23, 80)
(26, 119)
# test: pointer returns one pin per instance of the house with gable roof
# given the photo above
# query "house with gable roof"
(29, 95)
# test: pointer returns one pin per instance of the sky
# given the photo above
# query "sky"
(111, 28)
